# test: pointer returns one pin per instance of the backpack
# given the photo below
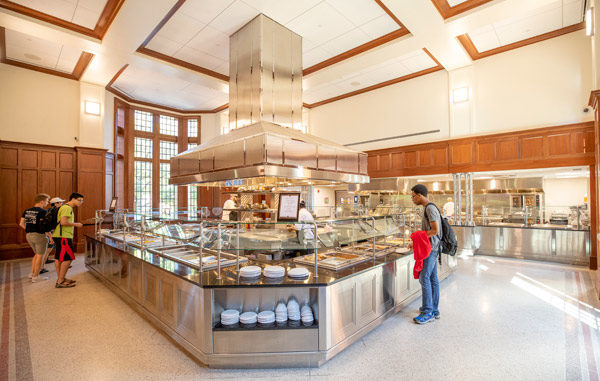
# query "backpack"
(50, 219)
(448, 243)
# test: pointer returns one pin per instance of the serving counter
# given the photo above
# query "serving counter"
(186, 303)
(563, 245)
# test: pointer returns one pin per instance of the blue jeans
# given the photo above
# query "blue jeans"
(430, 286)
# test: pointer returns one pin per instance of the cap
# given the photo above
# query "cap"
(56, 199)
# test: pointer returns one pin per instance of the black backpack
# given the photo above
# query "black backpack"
(448, 243)
(50, 219)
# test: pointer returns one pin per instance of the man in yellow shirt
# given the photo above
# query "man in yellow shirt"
(63, 238)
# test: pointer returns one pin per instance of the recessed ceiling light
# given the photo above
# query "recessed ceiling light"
(355, 83)
(33, 57)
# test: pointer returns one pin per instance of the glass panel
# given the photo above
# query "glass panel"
(193, 128)
(167, 150)
(192, 145)
(142, 121)
(168, 194)
(192, 200)
(142, 148)
(168, 125)
(142, 197)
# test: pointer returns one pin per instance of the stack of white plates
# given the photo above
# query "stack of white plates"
(250, 272)
(298, 272)
(266, 317)
(293, 310)
(281, 313)
(248, 317)
(307, 315)
(230, 317)
(274, 272)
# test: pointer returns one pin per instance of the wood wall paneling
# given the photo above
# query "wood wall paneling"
(461, 153)
(9, 157)
(486, 152)
(507, 150)
(48, 159)
(410, 159)
(558, 144)
(425, 159)
(531, 147)
(440, 156)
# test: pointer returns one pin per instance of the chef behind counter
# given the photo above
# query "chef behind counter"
(304, 232)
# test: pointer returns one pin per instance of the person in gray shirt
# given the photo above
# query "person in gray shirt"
(430, 286)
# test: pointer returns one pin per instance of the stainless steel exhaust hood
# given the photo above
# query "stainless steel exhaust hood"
(264, 145)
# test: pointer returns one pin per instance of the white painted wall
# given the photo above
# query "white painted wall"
(543, 84)
(417, 105)
(91, 127)
(37, 107)
(565, 192)
(109, 121)
(320, 208)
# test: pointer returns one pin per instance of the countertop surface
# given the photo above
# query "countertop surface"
(230, 278)
(538, 227)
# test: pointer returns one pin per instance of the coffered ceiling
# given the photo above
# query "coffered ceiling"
(175, 52)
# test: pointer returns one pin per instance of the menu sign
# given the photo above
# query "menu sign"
(288, 206)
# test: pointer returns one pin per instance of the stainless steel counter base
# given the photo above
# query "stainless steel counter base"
(344, 311)
(553, 245)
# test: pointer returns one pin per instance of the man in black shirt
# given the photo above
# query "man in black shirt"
(37, 237)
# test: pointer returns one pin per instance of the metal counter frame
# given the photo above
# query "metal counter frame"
(554, 245)
(344, 311)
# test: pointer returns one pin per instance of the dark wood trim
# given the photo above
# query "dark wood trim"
(220, 108)
(470, 48)
(2, 44)
(378, 86)
(108, 15)
(111, 9)
(82, 64)
(117, 75)
(185, 64)
(433, 58)
(390, 13)
(447, 11)
(162, 22)
(356, 51)
(593, 101)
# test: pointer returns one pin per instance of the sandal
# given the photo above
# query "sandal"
(64, 285)
(70, 281)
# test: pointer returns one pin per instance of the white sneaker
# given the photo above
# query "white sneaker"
(30, 275)
(38, 279)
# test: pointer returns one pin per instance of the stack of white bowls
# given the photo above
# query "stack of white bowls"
(250, 272)
(298, 272)
(266, 317)
(274, 272)
(281, 313)
(293, 310)
(307, 315)
(230, 317)
(248, 317)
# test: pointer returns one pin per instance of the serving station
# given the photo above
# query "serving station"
(229, 310)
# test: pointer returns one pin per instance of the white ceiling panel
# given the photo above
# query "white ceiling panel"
(380, 26)
(181, 28)
(198, 58)
(35, 51)
(205, 11)
(211, 41)
(164, 45)
(345, 42)
(234, 17)
(315, 56)
(282, 10)
(321, 23)
(152, 86)
(553, 15)
(81, 12)
(358, 11)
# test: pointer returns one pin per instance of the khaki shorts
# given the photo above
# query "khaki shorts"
(38, 242)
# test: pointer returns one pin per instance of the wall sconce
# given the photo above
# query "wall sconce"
(589, 22)
(92, 108)
(460, 95)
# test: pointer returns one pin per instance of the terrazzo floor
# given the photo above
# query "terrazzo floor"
(501, 319)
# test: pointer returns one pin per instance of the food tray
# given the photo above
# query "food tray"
(367, 250)
(332, 260)
(190, 255)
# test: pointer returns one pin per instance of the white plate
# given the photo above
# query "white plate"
(298, 272)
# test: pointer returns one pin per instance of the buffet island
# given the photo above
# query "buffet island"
(203, 284)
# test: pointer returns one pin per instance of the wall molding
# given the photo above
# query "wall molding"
(472, 51)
